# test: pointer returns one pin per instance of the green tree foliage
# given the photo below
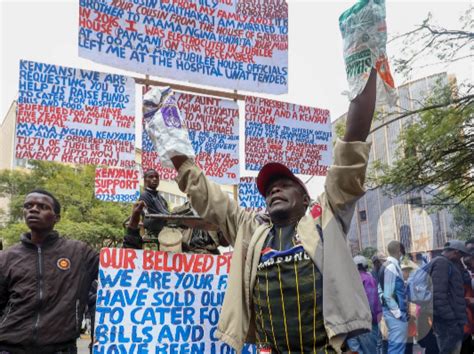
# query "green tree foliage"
(435, 153)
(464, 221)
(369, 252)
(436, 147)
(82, 216)
(340, 128)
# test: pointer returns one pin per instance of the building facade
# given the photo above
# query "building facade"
(379, 217)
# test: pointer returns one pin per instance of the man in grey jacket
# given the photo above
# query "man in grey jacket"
(283, 267)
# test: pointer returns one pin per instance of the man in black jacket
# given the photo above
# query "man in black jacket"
(44, 283)
(449, 306)
(154, 202)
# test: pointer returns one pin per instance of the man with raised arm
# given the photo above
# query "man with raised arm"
(292, 285)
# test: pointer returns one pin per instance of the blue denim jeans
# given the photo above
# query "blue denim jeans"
(365, 343)
(397, 332)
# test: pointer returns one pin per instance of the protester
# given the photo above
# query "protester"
(284, 255)
(394, 302)
(192, 240)
(413, 309)
(132, 237)
(449, 306)
(154, 202)
(420, 260)
(91, 305)
(377, 260)
(367, 343)
(44, 283)
(470, 244)
(467, 344)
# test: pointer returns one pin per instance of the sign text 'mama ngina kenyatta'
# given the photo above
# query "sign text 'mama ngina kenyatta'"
(75, 116)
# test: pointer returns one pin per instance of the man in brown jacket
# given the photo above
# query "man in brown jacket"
(292, 283)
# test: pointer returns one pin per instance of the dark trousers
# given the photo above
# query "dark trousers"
(449, 336)
(467, 345)
(64, 348)
(429, 343)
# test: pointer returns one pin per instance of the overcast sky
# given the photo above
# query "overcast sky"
(46, 31)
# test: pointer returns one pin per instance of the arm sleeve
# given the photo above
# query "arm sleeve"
(133, 239)
(164, 202)
(92, 262)
(372, 294)
(345, 179)
(440, 278)
(3, 293)
(212, 204)
(390, 276)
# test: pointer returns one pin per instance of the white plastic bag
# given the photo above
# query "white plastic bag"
(165, 126)
(364, 32)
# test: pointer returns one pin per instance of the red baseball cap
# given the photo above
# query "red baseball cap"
(272, 170)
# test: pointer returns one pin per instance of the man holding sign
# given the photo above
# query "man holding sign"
(293, 286)
(283, 267)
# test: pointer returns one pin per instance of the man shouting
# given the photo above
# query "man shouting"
(292, 285)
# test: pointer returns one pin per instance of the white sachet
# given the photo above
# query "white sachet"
(165, 126)
(364, 33)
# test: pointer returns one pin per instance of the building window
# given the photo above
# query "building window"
(362, 216)
(173, 199)
(415, 201)
(24, 163)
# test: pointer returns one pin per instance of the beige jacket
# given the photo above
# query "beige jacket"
(345, 305)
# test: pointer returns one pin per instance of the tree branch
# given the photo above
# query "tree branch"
(423, 109)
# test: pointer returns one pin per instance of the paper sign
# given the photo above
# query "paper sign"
(297, 136)
(236, 44)
(117, 184)
(161, 303)
(213, 127)
(75, 116)
(249, 196)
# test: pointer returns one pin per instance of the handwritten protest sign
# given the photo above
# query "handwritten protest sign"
(249, 196)
(75, 116)
(298, 136)
(117, 184)
(237, 44)
(213, 127)
(161, 303)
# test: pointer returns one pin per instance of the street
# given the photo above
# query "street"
(83, 344)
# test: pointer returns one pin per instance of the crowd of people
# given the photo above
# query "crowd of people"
(442, 324)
